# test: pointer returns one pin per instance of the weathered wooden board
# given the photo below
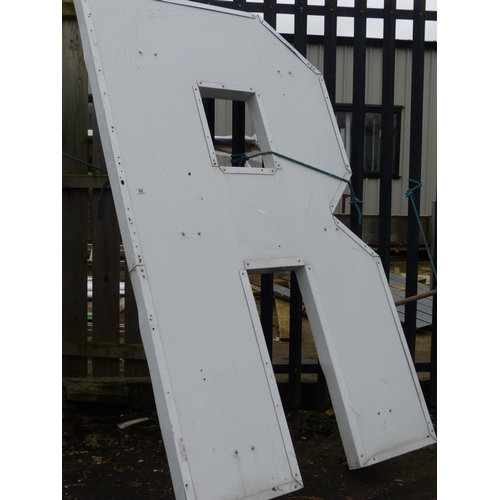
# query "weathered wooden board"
(105, 268)
(74, 201)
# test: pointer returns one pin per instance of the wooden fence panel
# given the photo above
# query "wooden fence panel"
(133, 367)
(106, 241)
(74, 201)
(108, 344)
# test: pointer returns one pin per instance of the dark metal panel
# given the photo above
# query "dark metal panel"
(387, 143)
(358, 109)
(415, 167)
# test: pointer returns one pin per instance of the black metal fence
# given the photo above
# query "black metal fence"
(77, 349)
(331, 12)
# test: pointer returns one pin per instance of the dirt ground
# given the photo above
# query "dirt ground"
(102, 461)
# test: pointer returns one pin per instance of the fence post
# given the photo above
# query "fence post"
(105, 268)
(433, 372)
(387, 142)
(358, 109)
(300, 27)
(416, 127)
(74, 201)
(270, 12)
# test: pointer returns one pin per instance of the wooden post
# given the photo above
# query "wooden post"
(105, 269)
(133, 367)
(74, 201)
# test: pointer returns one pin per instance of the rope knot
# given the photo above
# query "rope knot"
(240, 158)
(410, 191)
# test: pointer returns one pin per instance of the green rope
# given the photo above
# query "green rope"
(84, 163)
(410, 194)
(101, 193)
(241, 158)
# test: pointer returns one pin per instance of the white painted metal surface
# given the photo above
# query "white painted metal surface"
(193, 229)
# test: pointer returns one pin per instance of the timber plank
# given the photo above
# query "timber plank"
(105, 270)
(74, 202)
(133, 367)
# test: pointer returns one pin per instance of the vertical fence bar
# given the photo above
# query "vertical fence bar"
(416, 128)
(330, 49)
(270, 12)
(433, 372)
(209, 106)
(330, 76)
(105, 269)
(238, 139)
(295, 343)
(387, 135)
(266, 309)
(300, 27)
(358, 109)
(74, 201)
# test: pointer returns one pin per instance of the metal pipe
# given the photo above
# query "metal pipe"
(415, 166)
(414, 298)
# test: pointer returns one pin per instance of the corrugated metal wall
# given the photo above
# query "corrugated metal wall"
(402, 98)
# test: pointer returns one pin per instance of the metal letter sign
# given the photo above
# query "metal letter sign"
(193, 228)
